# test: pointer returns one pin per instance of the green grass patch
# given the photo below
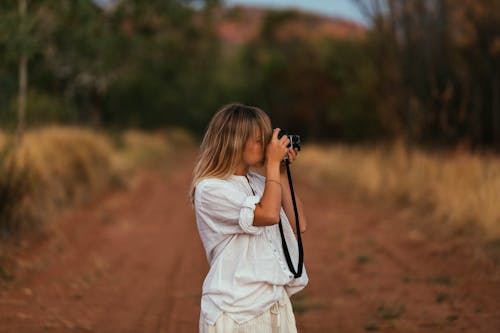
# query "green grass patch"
(303, 304)
(441, 297)
(388, 312)
(351, 291)
(372, 327)
(407, 279)
(5, 275)
(363, 259)
(442, 280)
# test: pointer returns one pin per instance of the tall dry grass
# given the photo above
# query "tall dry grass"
(56, 167)
(52, 168)
(149, 149)
(460, 187)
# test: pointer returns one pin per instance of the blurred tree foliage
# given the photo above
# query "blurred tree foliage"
(158, 63)
(439, 69)
(426, 71)
(138, 63)
(321, 87)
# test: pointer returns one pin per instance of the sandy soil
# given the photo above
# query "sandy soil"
(133, 262)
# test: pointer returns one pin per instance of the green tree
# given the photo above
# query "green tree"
(316, 85)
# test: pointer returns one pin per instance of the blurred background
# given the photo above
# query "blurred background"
(420, 75)
(397, 103)
(423, 71)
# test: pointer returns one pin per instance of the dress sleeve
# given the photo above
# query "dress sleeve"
(225, 209)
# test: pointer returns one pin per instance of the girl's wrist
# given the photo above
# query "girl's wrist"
(272, 165)
(272, 171)
(273, 181)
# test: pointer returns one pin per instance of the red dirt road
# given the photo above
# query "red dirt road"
(133, 262)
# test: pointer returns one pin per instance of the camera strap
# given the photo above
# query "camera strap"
(296, 273)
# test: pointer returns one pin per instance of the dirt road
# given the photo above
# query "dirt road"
(133, 262)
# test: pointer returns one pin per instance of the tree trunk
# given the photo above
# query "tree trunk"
(478, 116)
(495, 108)
(23, 81)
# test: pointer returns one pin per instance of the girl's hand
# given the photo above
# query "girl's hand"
(292, 156)
(276, 150)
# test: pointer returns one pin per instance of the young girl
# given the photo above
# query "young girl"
(248, 285)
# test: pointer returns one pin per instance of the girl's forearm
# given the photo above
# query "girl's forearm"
(267, 211)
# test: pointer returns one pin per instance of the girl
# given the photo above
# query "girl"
(248, 286)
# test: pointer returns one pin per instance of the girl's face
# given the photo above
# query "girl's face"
(253, 153)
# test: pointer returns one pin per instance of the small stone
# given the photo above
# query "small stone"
(50, 325)
(22, 315)
(68, 324)
(416, 236)
(28, 292)
(85, 325)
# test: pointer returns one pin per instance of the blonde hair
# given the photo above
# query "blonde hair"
(227, 133)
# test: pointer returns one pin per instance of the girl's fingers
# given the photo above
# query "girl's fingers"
(292, 154)
(275, 133)
(285, 140)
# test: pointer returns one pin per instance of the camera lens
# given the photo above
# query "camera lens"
(294, 139)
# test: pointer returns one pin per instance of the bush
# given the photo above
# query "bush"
(14, 188)
(52, 168)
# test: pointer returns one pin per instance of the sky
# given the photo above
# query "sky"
(337, 8)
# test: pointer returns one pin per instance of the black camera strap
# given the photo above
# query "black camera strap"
(295, 273)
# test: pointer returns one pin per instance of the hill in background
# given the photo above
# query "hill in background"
(240, 24)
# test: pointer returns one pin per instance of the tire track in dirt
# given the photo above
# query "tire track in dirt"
(116, 265)
(133, 262)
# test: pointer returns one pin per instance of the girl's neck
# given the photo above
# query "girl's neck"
(242, 170)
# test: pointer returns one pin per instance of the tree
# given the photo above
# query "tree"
(23, 76)
(442, 79)
(16, 31)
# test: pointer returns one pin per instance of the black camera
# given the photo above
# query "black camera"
(294, 139)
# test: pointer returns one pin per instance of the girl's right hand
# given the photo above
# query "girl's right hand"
(276, 150)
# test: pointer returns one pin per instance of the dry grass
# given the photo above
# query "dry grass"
(149, 149)
(55, 167)
(460, 187)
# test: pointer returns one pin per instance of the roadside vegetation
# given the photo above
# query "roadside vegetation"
(56, 167)
(457, 186)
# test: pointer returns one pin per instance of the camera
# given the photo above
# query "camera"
(294, 139)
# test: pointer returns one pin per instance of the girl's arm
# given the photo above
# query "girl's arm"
(267, 211)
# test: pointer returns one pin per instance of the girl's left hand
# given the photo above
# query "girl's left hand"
(292, 156)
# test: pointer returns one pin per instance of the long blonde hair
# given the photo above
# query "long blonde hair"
(224, 141)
